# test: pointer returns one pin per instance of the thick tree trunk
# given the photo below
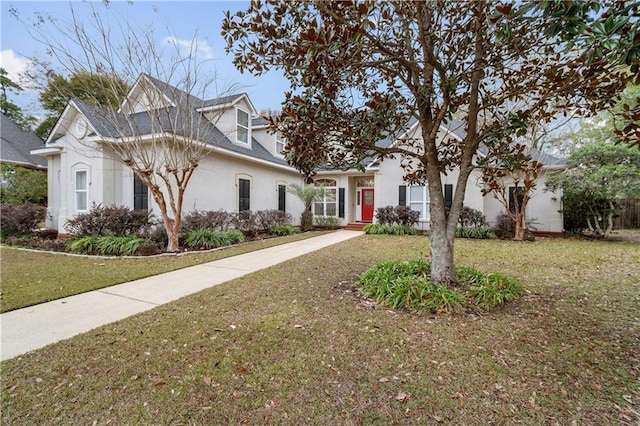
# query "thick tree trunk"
(442, 262)
(521, 227)
(442, 266)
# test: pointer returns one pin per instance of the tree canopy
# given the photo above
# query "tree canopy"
(103, 90)
(10, 109)
(360, 71)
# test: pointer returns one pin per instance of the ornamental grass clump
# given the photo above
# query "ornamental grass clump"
(209, 239)
(408, 285)
(108, 245)
(386, 229)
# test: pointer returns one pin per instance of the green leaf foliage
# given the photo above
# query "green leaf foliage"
(379, 228)
(208, 239)
(109, 245)
(476, 233)
(407, 285)
(282, 230)
(22, 185)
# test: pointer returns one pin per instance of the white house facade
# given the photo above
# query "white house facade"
(243, 170)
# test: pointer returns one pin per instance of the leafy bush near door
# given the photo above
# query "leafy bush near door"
(398, 215)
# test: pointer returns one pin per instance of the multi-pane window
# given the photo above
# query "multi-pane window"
(418, 200)
(280, 143)
(140, 194)
(327, 206)
(82, 190)
(244, 194)
(242, 128)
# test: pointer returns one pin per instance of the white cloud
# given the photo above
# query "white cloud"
(15, 66)
(194, 47)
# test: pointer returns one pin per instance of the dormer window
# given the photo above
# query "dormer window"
(280, 144)
(242, 127)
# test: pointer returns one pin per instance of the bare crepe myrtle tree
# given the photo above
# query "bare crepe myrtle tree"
(511, 175)
(163, 127)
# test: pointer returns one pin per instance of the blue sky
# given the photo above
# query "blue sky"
(185, 19)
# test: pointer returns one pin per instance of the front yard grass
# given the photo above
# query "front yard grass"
(293, 344)
(29, 278)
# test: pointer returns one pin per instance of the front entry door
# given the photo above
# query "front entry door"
(367, 205)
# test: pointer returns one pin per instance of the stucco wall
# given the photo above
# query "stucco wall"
(543, 209)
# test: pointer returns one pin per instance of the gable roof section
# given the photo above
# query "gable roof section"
(101, 120)
(17, 144)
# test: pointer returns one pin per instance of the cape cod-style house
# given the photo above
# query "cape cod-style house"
(244, 169)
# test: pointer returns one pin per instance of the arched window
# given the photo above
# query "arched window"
(328, 206)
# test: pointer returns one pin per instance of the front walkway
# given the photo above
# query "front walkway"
(34, 327)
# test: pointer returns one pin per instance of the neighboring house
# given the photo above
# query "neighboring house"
(243, 170)
(16, 146)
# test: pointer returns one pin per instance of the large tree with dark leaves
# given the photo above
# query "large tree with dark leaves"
(360, 71)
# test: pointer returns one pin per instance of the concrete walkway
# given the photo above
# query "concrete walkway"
(34, 327)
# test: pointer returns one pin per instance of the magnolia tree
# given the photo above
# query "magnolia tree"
(361, 70)
(161, 131)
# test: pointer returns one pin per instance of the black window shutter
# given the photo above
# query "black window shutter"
(282, 197)
(448, 195)
(402, 195)
(244, 195)
(341, 202)
(140, 195)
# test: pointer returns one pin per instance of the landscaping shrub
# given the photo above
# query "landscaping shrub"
(219, 220)
(490, 291)
(504, 228)
(282, 230)
(378, 228)
(110, 220)
(267, 219)
(35, 241)
(477, 233)
(400, 215)
(20, 220)
(245, 222)
(471, 218)
(330, 222)
(86, 244)
(109, 245)
(408, 285)
(208, 239)
(386, 215)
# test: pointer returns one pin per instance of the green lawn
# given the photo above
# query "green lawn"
(29, 278)
(294, 344)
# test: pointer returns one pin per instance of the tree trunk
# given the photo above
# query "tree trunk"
(442, 270)
(442, 262)
(521, 227)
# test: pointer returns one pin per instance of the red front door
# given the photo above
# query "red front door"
(367, 205)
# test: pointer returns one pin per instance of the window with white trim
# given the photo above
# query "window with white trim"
(418, 200)
(82, 190)
(242, 127)
(328, 206)
(281, 143)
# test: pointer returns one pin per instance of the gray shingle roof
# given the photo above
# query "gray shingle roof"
(103, 120)
(17, 144)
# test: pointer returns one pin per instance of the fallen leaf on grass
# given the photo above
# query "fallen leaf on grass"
(402, 396)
